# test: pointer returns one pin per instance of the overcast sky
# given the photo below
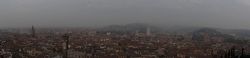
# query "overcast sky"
(49, 13)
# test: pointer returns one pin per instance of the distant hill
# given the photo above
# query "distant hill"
(181, 29)
(208, 33)
(139, 27)
(239, 33)
(201, 33)
(142, 27)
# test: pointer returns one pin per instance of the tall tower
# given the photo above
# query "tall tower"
(66, 45)
(148, 33)
(33, 31)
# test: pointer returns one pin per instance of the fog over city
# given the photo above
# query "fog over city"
(124, 29)
(79, 13)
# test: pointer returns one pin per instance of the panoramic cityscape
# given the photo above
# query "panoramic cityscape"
(124, 41)
(124, 29)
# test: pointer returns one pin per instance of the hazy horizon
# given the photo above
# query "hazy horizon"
(80, 13)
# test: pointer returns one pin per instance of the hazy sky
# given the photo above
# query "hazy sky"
(208, 13)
